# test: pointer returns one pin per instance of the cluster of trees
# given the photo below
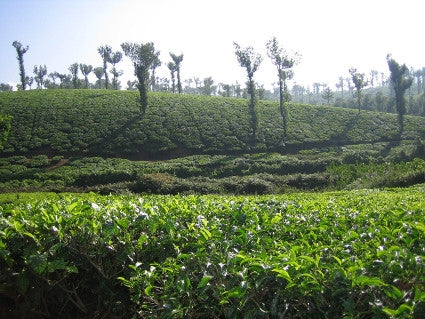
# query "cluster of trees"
(377, 93)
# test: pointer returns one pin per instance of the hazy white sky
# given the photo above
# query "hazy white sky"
(330, 35)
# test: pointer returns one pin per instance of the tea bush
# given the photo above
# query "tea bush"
(356, 254)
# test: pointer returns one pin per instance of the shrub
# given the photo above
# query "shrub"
(39, 161)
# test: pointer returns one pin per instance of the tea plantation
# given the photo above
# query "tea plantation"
(109, 123)
(357, 254)
(108, 213)
(94, 140)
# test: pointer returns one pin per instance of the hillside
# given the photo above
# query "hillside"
(109, 124)
(97, 140)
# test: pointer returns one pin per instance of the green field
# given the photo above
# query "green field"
(357, 254)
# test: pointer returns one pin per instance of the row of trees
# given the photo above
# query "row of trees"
(145, 59)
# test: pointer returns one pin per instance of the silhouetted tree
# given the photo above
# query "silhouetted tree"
(4, 87)
(172, 67)
(40, 72)
(73, 68)
(105, 52)
(156, 63)
(20, 50)
(86, 70)
(143, 56)
(177, 59)
(340, 85)
(98, 72)
(115, 58)
(400, 81)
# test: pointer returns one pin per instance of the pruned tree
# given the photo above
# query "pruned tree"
(105, 52)
(20, 51)
(73, 68)
(284, 64)
(143, 56)
(172, 67)
(359, 81)
(177, 59)
(39, 74)
(156, 63)
(98, 72)
(340, 85)
(115, 58)
(400, 81)
(251, 61)
(86, 70)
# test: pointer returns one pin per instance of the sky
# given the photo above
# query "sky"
(331, 36)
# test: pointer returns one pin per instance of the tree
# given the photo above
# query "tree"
(400, 81)
(143, 56)
(340, 85)
(373, 75)
(327, 94)
(105, 52)
(284, 64)
(86, 70)
(53, 76)
(418, 75)
(172, 67)
(177, 59)
(65, 80)
(20, 50)
(251, 61)
(73, 68)
(156, 63)
(4, 87)
(359, 83)
(29, 81)
(208, 88)
(98, 72)
(40, 72)
(114, 59)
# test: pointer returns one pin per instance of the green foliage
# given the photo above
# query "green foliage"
(4, 129)
(346, 254)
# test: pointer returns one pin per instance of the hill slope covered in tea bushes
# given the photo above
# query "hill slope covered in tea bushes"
(109, 123)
